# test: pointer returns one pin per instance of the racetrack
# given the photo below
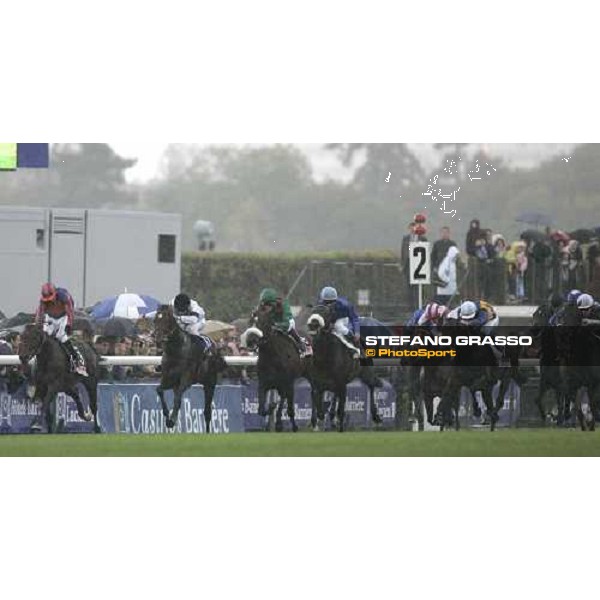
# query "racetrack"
(513, 442)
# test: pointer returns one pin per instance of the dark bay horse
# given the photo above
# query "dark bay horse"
(279, 365)
(53, 374)
(550, 376)
(578, 349)
(184, 364)
(332, 368)
(476, 368)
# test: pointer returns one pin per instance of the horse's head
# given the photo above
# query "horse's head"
(32, 340)
(261, 325)
(165, 324)
(541, 315)
(321, 319)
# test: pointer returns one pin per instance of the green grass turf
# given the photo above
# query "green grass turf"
(514, 442)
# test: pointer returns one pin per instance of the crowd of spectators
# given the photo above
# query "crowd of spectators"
(524, 270)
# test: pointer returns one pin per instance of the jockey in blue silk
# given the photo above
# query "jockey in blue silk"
(346, 322)
(477, 314)
(571, 300)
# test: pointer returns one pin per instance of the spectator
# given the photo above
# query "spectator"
(475, 233)
(447, 273)
(594, 286)
(521, 264)
(499, 245)
(575, 259)
(441, 246)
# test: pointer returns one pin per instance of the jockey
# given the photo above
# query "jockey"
(55, 314)
(479, 314)
(433, 315)
(191, 318)
(346, 323)
(571, 300)
(588, 308)
(281, 313)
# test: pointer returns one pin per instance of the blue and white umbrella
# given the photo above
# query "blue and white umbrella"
(128, 306)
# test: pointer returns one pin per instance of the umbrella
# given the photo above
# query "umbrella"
(535, 218)
(583, 236)
(532, 235)
(19, 319)
(217, 329)
(126, 305)
(118, 327)
(240, 325)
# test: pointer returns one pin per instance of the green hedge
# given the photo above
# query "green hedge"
(227, 285)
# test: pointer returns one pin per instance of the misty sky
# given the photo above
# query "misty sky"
(325, 163)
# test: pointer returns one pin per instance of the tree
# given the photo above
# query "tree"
(379, 161)
(90, 176)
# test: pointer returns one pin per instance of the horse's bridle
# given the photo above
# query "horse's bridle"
(26, 358)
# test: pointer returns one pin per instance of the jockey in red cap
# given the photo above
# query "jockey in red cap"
(55, 313)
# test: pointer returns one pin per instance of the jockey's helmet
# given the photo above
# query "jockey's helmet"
(572, 296)
(181, 303)
(268, 296)
(48, 293)
(555, 300)
(585, 301)
(468, 310)
(329, 294)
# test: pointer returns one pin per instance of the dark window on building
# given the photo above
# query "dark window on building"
(39, 238)
(166, 248)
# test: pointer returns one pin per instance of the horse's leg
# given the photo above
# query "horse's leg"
(341, 411)
(486, 390)
(178, 395)
(167, 382)
(288, 394)
(48, 399)
(74, 394)
(539, 399)
(374, 410)
(333, 409)
(318, 414)
(209, 393)
(279, 412)
(91, 385)
(579, 410)
(40, 393)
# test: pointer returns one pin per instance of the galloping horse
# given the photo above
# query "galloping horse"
(278, 366)
(476, 368)
(53, 374)
(332, 368)
(550, 376)
(578, 349)
(183, 364)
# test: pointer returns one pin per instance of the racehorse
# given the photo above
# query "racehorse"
(476, 368)
(53, 374)
(184, 364)
(278, 366)
(332, 368)
(550, 376)
(578, 348)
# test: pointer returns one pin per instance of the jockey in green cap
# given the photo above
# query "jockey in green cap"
(281, 314)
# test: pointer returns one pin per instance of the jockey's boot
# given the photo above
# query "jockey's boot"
(76, 357)
(350, 339)
(200, 343)
(299, 341)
